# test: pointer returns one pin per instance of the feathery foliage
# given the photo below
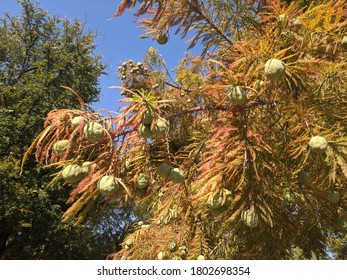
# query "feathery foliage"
(257, 159)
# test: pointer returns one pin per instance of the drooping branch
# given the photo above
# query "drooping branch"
(209, 20)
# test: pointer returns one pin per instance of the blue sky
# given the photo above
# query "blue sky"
(118, 38)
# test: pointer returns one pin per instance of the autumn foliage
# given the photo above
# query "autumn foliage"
(254, 187)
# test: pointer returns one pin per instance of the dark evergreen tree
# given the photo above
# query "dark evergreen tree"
(39, 54)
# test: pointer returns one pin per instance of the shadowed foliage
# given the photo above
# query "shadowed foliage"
(39, 53)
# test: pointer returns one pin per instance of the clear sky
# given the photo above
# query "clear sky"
(118, 38)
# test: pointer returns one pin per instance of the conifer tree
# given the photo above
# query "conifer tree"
(243, 155)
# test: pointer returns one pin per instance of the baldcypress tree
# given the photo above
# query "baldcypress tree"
(242, 155)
